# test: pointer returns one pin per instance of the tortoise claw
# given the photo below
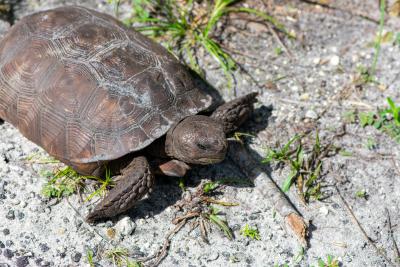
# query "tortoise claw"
(174, 168)
(135, 181)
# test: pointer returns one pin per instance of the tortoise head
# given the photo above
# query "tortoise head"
(197, 139)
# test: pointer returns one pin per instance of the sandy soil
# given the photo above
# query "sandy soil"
(312, 88)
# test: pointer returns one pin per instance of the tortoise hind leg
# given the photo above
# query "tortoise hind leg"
(135, 181)
(234, 113)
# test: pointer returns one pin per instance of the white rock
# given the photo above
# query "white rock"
(324, 210)
(316, 60)
(311, 114)
(125, 226)
(334, 60)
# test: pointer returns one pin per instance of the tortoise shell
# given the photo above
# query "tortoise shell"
(87, 88)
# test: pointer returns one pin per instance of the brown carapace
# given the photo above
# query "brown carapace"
(91, 92)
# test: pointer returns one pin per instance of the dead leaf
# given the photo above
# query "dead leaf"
(394, 10)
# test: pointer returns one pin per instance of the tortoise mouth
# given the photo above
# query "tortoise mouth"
(207, 161)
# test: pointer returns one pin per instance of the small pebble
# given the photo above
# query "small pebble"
(10, 215)
(8, 253)
(125, 226)
(76, 257)
(6, 231)
(324, 210)
(311, 114)
(22, 261)
(43, 247)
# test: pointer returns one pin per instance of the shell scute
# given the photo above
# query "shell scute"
(88, 89)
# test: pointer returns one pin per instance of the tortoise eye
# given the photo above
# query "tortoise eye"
(201, 146)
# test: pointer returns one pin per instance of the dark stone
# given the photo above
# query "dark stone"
(76, 257)
(9, 243)
(8, 253)
(254, 217)
(62, 255)
(38, 261)
(22, 261)
(2, 245)
(6, 231)
(10, 215)
(43, 247)
(3, 196)
(226, 255)
(20, 215)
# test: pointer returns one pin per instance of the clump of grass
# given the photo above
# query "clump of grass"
(250, 232)
(304, 158)
(90, 257)
(385, 119)
(187, 25)
(330, 262)
(120, 257)
(213, 215)
(38, 158)
(198, 207)
(105, 183)
(367, 75)
(361, 194)
(64, 182)
(371, 143)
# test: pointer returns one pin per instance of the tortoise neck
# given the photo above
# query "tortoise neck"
(158, 148)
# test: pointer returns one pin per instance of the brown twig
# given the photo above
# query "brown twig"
(163, 251)
(352, 13)
(396, 248)
(397, 169)
(358, 224)
(268, 188)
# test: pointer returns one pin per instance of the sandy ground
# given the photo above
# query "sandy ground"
(315, 80)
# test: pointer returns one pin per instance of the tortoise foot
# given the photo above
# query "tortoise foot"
(134, 182)
(234, 113)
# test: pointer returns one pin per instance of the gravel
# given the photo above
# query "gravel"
(330, 46)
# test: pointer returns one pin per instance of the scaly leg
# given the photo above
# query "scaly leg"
(234, 113)
(135, 181)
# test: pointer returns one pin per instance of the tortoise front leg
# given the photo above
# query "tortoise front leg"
(135, 181)
(234, 113)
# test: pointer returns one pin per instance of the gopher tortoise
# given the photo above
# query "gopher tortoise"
(98, 95)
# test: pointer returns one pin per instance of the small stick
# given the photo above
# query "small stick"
(352, 13)
(396, 248)
(267, 187)
(83, 219)
(160, 255)
(395, 165)
(357, 223)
